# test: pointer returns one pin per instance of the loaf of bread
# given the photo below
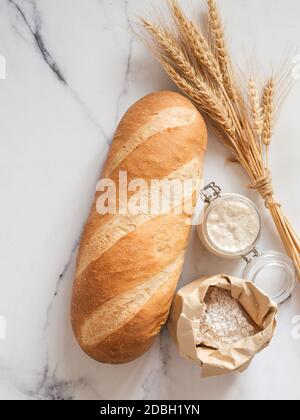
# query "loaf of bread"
(129, 264)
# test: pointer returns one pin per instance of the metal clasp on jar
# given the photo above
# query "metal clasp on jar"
(210, 193)
(248, 258)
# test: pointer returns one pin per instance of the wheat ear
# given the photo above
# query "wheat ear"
(170, 50)
(255, 107)
(203, 96)
(200, 47)
(268, 110)
(182, 51)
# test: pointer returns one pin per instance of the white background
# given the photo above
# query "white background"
(54, 137)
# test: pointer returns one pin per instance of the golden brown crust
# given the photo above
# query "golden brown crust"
(126, 345)
(159, 135)
(140, 113)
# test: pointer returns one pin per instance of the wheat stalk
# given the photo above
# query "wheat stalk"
(201, 67)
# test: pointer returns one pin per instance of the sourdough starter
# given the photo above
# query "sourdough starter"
(233, 225)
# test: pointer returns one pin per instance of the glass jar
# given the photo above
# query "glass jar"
(230, 227)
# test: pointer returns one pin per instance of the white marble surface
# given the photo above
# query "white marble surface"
(73, 67)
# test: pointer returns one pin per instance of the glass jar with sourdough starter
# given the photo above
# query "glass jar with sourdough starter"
(230, 227)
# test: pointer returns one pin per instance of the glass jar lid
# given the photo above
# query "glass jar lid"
(274, 273)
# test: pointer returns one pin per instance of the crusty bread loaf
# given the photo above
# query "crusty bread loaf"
(129, 265)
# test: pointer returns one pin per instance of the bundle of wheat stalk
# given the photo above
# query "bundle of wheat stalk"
(201, 67)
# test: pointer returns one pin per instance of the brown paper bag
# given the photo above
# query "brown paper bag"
(188, 307)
